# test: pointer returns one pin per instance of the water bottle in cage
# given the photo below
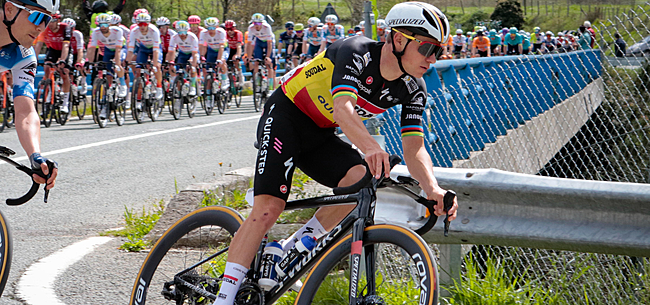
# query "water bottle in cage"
(293, 256)
(272, 254)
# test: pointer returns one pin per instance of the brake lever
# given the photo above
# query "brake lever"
(448, 203)
(50, 169)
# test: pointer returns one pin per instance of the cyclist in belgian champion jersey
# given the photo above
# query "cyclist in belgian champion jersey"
(354, 79)
(23, 21)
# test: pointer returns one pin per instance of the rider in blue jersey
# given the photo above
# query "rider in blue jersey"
(23, 21)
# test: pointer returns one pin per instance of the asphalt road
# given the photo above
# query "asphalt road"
(107, 170)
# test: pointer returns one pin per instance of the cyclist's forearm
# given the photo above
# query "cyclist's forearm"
(64, 51)
(419, 164)
(349, 121)
(28, 124)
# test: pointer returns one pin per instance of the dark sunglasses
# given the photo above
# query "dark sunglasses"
(289, 29)
(35, 17)
(299, 32)
(426, 48)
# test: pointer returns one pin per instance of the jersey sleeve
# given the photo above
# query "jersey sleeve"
(80, 40)
(349, 61)
(202, 41)
(132, 39)
(195, 44)
(172, 43)
(67, 32)
(156, 39)
(23, 73)
(93, 39)
(412, 109)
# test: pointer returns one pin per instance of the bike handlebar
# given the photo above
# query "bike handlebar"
(4, 155)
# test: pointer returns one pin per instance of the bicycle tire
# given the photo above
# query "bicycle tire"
(161, 264)
(100, 99)
(167, 95)
(154, 109)
(137, 95)
(208, 104)
(204, 100)
(94, 108)
(257, 95)
(81, 98)
(47, 111)
(177, 98)
(221, 102)
(393, 245)
(61, 117)
(119, 111)
(6, 247)
(191, 102)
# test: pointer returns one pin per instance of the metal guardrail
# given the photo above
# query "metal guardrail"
(510, 209)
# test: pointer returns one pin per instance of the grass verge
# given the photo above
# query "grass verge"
(137, 225)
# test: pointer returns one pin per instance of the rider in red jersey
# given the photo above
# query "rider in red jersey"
(57, 39)
(235, 41)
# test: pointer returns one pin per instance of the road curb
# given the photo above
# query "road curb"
(190, 198)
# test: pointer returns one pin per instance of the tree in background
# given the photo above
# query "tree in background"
(509, 12)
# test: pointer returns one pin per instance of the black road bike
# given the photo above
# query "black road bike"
(104, 96)
(6, 243)
(374, 264)
(143, 94)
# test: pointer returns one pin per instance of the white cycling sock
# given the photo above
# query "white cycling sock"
(232, 277)
(66, 98)
(312, 228)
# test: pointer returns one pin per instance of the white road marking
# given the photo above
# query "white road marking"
(36, 285)
(135, 137)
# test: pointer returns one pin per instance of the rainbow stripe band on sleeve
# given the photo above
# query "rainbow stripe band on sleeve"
(343, 90)
(412, 130)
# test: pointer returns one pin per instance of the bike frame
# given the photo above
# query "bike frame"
(361, 217)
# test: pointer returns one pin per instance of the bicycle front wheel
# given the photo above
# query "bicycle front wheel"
(119, 111)
(81, 98)
(401, 271)
(45, 99)
(177, 98)
(190, 240)
(137, 98)
(6, 245)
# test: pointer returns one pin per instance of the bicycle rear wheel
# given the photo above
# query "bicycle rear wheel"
(61, 117)
(45, 100)
(193, 238)
(177, 98)
(119, 111)
(81, 99)
(99, 101)
(405, 270)
(137, 96)
(257, 91)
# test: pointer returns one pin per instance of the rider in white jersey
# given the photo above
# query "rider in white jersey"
(112, 39)
(260, 44)
(211, 43)
(147, 37)
(24, 20)
(332, 32)
(312, 38)
(188, 47)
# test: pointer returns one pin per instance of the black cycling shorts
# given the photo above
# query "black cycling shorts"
(52, 55)
(232, 54)
(287, 139)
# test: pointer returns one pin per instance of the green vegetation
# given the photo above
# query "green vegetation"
(509, 12)
(137, 225)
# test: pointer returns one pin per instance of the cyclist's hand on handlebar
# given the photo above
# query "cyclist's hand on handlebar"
(378, 159)
(39, 166)
(439, 208)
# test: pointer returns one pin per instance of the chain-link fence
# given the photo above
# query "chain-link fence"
(559, 115)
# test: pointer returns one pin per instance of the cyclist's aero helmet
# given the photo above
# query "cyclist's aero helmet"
(70, 22)
(162, 21)
(331, 19)
(182, 26)
(299, 27)
(420, 18)
(211, 22)
(313, 21)
(143, 18)
(229, 25)
(116, 19)
(381, 24)
(103, 18)
(52, 6)
(289, 25)
(257, 17)
(194, 19)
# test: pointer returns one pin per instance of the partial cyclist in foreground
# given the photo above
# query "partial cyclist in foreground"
(352, 80)
(23, 21)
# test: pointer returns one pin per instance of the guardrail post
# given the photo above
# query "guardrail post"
(451, 259)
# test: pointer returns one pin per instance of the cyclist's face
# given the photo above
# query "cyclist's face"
(23, 30)
(163, 29)
(144, 28)
(257, 26)
(53, 24)
(413, 62)
(194, 27)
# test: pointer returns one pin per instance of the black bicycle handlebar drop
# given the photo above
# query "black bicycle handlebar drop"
(448, 201)
(4, 155)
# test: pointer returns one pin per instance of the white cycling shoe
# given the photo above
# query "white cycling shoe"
(121, 91)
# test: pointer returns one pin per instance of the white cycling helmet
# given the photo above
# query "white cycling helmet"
(362, 24)
(587, 24)
(70, 22)
(313, 21)
(549, 33)
(459, 31)
(420, 18)
(52, 6)
(381, 24)
(103, 18)
(257, 17)
(331, 19)
(143, 18)
(182, 26)
(211, 22)
(116, 19)
(162, 21)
